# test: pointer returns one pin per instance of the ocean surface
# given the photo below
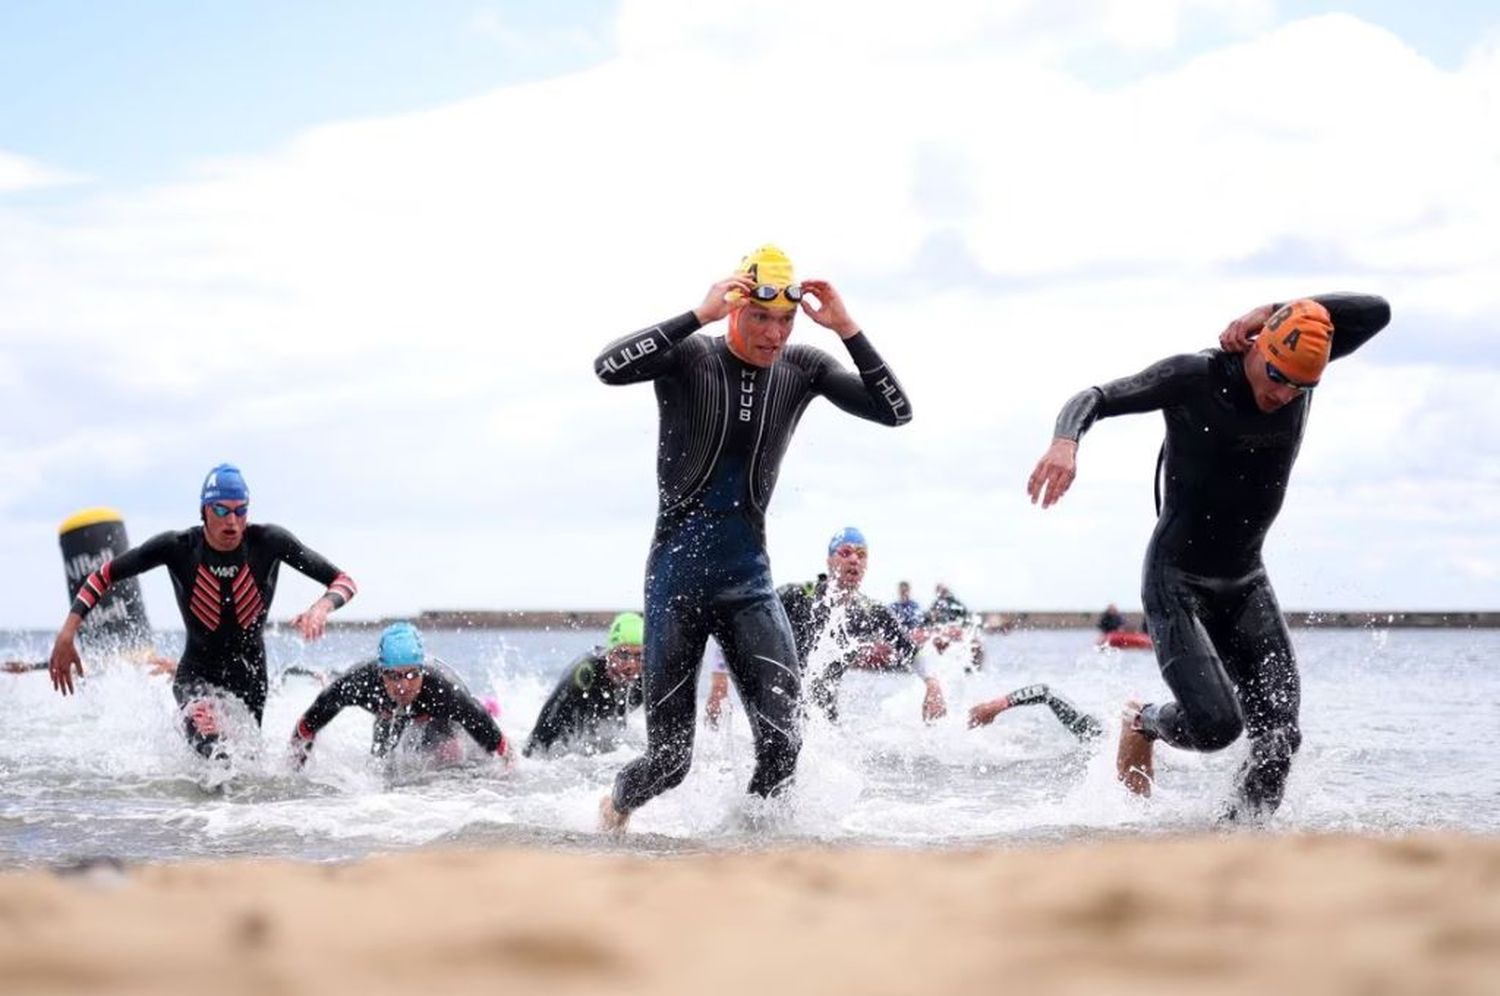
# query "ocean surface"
(1401, 732)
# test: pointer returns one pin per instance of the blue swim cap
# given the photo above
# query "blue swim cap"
(401, 646)
(849, 534)
(224, 482)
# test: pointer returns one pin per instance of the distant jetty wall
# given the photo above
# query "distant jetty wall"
(598, 619)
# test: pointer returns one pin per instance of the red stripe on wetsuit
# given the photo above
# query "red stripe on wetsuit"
(95, 585)
(205, 599)
(341, 590)
(247, 601)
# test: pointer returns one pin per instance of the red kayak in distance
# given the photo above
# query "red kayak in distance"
(1123, 639)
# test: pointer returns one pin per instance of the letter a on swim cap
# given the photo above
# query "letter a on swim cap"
(1296, 340)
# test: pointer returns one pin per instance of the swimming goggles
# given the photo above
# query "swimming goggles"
(1277, 377)
(769, 292)
(222, 511)
(401, 673)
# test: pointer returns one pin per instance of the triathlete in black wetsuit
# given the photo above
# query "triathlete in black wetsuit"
(1235, 419)
(402, 686)
(837, 627)
(224, 573)
(728, 408)
(587, 709)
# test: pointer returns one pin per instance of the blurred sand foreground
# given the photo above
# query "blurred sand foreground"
(1241, 914)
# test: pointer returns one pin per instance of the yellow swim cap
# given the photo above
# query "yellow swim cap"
(768, 266)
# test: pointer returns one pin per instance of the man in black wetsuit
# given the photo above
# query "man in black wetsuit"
(1235, 418)
(837, 627)
(1110, 619)
(224, 573)
(728, 407)
(402, 686)
(587, 709)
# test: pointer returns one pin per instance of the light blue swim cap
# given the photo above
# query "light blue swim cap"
(401, 646)
(850, 535)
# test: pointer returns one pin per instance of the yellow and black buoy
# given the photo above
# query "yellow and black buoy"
(119, 621)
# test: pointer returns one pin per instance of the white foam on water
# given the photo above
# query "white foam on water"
(1400, 733)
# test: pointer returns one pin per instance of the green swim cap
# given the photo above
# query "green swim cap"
(628, 628)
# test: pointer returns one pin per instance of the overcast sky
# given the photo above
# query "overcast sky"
(368, 251)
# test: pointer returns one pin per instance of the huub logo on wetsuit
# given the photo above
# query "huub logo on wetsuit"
(728, 407)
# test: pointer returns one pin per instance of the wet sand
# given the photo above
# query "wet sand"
(1226, 914)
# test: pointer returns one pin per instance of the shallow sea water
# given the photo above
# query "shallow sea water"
(1401, 732)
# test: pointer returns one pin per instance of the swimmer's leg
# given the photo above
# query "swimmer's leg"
(676, 634)
(762, 658)
(1259, 654)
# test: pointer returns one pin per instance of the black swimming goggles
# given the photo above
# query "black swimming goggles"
(770, 292)
(1277, 377)
(222, 511)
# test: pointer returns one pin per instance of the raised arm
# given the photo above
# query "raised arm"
(1160, 385)
(875, 394)
(1356, 319)
(647, 354)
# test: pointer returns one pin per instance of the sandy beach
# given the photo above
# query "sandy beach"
(1237, 914)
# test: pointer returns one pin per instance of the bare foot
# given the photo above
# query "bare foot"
(610, 819)
(1133, 759)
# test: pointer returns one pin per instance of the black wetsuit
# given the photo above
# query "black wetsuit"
(224, 599)
(586, 711)
(1220, 638)
(724, 427)
(850, 624)
(442, 707)
(1110, 621)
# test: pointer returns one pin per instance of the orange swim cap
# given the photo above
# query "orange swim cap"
(1296, 340)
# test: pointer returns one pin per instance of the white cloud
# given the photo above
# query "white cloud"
(399, 314)
(19, 173)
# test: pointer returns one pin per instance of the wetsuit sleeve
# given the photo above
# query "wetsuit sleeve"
(1161, 385)
(152, 553)
(889, 629)
(647, 354)
(291, 551)
(468, 712)
(1356, 319)
(356, 687)
(555, 720)
(874, 394)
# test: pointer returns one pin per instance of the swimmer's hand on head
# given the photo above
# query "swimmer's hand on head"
(830, 311)
(1054, 473)
(65, 663)
(1240, 333)
(717, 303)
